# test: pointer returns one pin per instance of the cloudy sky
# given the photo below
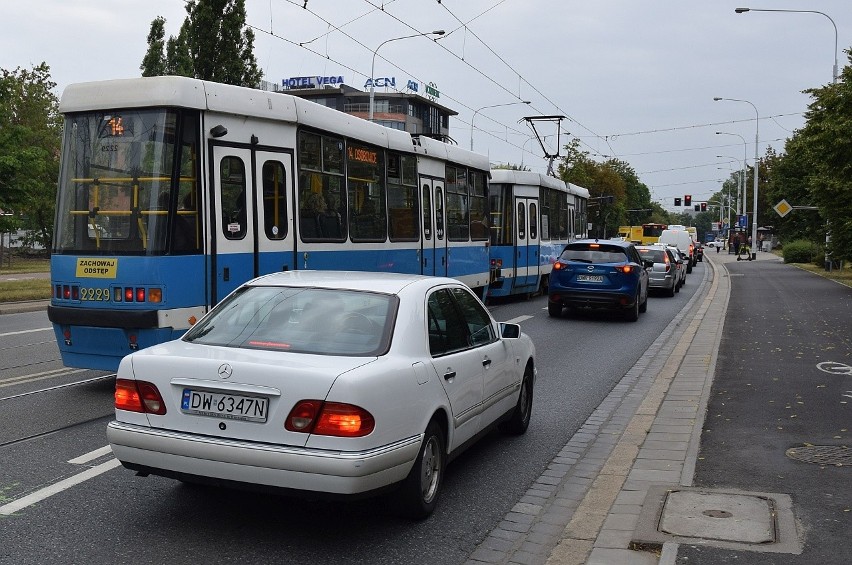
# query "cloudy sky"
(635, 78)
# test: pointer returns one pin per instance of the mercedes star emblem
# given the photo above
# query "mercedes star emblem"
(225, 371)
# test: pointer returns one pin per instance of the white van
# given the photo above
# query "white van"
(683, 241)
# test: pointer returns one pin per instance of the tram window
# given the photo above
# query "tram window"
(533, 221)
(274, 200)
(366, 192)
(402, 198)
(187, 229)
(478, 206)
(458, 204)
(233, 190)
(439, 214)
(427, 212)
(522, 221)
(322, 201)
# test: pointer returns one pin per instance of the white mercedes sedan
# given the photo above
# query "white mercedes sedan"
(321, 382)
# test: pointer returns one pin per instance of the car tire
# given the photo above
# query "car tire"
(519, 421)
(421, 488)
(689, 267)
(644, 306)
(632, 314)
(672, 290)
(554, 309)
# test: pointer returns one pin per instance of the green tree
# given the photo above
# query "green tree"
(30, 135)
(154, 63)
(826, 140)
(214, 43)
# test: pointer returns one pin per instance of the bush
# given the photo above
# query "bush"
(801, 251)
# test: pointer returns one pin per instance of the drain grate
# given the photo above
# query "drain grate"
(835, 455)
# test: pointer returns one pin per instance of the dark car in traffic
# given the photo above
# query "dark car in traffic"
(599, 274)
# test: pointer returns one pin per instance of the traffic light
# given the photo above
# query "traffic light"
(687, 200)
(703, 206)
(697, 208)
(677, 201)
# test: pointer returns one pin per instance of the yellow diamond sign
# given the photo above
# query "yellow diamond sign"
(783, 208)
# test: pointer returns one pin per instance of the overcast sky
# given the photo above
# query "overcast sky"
(634, 78)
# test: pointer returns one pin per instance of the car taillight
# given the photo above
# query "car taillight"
(558, 266)
(626, 269)
(138, 396)
(330, 419)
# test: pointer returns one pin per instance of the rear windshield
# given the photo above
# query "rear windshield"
(655, 255)
(593, 253)
(301, 320)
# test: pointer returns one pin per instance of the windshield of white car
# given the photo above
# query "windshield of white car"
(300, 320)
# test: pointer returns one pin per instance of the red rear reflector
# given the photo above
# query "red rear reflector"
(128, 295)
(66, 292)
(75, 292)
(140, 295)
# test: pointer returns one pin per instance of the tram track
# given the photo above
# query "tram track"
(48, 375)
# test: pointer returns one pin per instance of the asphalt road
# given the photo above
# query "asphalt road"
(780, 385)
(117, 517)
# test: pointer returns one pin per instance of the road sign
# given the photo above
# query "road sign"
(742, 221)
(783, 208)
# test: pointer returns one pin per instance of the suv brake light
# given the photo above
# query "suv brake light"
(626, 269)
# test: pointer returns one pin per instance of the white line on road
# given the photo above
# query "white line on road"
(26, 331)
(86, 457)
(41, 494)
(518, 320)
(64, 371)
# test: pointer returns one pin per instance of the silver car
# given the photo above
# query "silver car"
(664, 275)
(326, 382)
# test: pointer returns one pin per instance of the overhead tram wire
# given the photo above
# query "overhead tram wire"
(493, 81)
(303, 45)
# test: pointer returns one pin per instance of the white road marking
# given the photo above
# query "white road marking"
(65, 484)
(86, 457)
(518, 320)
(27, 331)
(39, 376)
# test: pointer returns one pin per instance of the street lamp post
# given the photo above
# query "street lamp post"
(756, 165)
(373, 66)
(486, 107)
(834, 70)
(740, 197)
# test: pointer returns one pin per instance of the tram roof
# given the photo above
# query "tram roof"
(185, 92)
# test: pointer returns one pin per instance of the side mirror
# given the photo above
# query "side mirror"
(648, 264)
(510, 331)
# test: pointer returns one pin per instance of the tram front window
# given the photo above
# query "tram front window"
(128, 184)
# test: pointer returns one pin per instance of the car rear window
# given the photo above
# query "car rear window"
(593, 253)
(655, 255)
(301, 320)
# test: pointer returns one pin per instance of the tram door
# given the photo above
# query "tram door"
(526, 243)
(433, 255)
(243, 188)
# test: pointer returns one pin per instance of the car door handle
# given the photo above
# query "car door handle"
(449, 375)
(486, 363)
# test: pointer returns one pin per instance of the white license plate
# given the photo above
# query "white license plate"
(223, 405)
(590, 278)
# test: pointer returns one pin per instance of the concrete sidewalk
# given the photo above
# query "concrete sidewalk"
(587, 506)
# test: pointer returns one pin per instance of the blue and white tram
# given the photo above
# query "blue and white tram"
(533, 216)
(173, 191)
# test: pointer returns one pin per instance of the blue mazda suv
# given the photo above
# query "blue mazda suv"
(606, 274)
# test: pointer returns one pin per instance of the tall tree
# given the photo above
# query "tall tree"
(30, 135)
(827, 143)
(214, 43)
(154, 63)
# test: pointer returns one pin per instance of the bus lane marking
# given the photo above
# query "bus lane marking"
(65, 484)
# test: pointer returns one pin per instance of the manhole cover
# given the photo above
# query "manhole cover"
(718, 516)
(835, 455)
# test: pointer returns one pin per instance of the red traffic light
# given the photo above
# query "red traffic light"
(687, 200)
(703, 206)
